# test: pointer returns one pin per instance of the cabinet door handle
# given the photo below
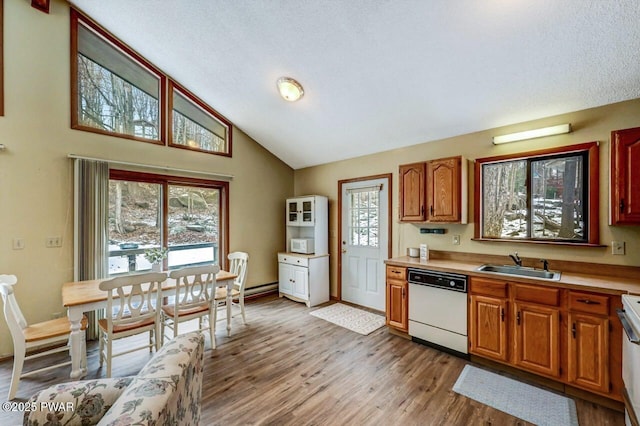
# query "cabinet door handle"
(518, 317)
(502, 314)
(573, 330)
(431, 210)
(622, 206)
(588, 302)
(422, 210)
(403, 292)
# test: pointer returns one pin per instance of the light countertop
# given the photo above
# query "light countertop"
(590, 282)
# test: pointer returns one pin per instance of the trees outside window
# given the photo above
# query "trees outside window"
(549, 196)
(115, 91)
(196, 126)
(188, 216)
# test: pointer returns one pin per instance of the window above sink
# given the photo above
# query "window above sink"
(547, 196)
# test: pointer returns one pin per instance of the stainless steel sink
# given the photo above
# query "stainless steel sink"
(520, 271)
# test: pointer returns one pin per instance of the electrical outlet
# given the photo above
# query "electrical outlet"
(456, 240)
(52, 242)
(617, 247)
(18, 243)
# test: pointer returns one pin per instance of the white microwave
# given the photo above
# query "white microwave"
(302, 245)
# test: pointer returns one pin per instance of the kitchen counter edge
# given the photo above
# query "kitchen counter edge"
(595, 283)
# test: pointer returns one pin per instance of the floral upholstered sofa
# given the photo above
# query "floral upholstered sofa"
(167, 391)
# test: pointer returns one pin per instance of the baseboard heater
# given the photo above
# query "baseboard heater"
(261, 290)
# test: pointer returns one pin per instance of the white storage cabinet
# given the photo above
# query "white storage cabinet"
(304, 278)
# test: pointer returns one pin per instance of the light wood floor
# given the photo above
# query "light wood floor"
(288, 367)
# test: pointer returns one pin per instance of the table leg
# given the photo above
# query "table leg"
(229, 299)
(77, 341)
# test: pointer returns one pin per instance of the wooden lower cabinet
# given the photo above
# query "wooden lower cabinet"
(397, 302)
(488, 326)
(566, 335)
(537, 338)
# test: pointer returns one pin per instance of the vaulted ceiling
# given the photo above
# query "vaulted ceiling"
(382, 74)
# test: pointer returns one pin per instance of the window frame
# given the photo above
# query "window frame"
(592, 202)
(164, 181)
(78, 19)
(172, 85)
(165, 98)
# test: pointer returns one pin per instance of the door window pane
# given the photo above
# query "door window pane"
(135, 224)
(194, 225)
(364, 213)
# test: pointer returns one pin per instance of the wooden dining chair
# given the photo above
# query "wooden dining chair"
(29, 336)
(194, 299)
(238, 262)
(133, 307)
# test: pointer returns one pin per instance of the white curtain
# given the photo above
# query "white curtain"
(91, 201)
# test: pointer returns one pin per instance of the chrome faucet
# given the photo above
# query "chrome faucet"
(516, 259)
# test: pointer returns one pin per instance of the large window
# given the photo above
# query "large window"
(196, 126)
(117, 92)
(188, 216)
(542, 196)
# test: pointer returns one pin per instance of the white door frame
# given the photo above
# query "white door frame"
(388, 177)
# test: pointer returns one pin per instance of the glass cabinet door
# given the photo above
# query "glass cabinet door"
(293, 212)
(307, 212)
(300, 212)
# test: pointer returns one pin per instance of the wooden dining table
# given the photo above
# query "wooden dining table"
(84, 296)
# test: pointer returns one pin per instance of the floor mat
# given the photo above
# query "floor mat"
(521, 400)
(354, 319)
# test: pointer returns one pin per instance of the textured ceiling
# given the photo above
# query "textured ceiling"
(382, 74)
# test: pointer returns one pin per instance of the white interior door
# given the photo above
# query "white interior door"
(364, 242)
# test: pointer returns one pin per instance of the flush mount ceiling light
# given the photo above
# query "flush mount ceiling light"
(532, 134)
(289, 89)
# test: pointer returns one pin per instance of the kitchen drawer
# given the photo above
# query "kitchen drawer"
(537, 294)
(489, 287)
(397, 273)
(292, 259)
(587, 302)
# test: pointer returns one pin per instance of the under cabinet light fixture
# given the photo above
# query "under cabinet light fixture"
(289, 89)
(532, 134)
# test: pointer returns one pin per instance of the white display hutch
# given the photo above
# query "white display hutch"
(305, 277)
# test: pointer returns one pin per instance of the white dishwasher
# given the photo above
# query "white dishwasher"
(438, 309)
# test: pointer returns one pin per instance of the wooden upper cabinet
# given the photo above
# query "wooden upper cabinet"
(444, 190)
(412, 192)
(625, 175)
(434, 191)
